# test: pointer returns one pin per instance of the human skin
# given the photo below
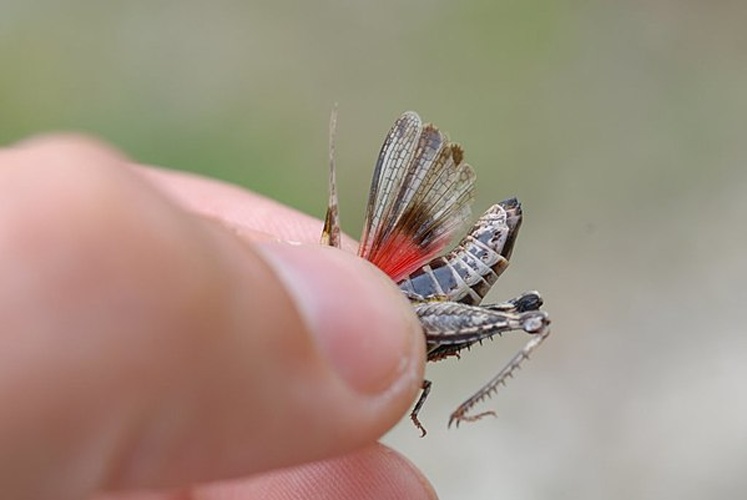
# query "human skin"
(158, 332)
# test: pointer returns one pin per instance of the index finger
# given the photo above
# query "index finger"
(249, 213)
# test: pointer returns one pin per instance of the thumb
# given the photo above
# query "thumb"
(145, 347)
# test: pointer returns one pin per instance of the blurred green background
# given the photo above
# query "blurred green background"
(620, 125)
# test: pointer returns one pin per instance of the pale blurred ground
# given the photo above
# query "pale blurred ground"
(622, 126)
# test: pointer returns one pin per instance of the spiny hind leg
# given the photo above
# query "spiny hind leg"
(452, 326)
(540, 330)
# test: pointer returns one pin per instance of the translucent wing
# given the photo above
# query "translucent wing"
(421, 194)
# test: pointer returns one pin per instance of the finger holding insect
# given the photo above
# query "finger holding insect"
(145, 346)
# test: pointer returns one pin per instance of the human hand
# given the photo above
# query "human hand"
(156, 335)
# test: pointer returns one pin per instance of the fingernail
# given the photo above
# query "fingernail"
(361, 323)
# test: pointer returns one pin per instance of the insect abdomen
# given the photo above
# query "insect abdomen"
(466, 273)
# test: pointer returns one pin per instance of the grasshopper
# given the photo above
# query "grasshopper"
(420, 197)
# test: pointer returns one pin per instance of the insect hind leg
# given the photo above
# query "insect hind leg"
(450, 327)
(540, 331)
(331, 229)
(527, 301)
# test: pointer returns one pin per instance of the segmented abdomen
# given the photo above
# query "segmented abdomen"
(466, 273)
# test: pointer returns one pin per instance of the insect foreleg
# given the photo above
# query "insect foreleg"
(426, 387)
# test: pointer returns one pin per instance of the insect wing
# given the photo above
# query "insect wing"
(395, 155)
(421, 195)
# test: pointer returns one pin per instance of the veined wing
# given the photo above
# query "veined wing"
(421, 194)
